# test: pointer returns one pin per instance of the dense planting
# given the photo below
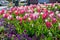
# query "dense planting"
(34, 22)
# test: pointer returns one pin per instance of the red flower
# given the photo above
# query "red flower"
(48, 24)
(54, 20)
(51, 14)
(44, 16)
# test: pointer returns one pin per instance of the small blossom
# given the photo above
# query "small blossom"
(48, 24)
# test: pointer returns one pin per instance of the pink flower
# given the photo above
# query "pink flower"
(44, 16)
(54, 20)
(51, 14)
(0, 13)
(58, 15)
(10, 12)
(48, 24)
(10, 17)
(16, 13)
(3, 11)
(26, 16)
(20, 19)
(17, 17)
(22, 11)
(5, 15)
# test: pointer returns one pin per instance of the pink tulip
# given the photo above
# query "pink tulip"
(58, 15)
(48, 24)
(16, 13)
(3, 11)
(22, 11)
(10, 17)
(5, 15)
(17, 17)
(54, 20)
(51, 14)
(45, 10)
(44, 16)
(10, 12)
(20, 19)
(0, 13)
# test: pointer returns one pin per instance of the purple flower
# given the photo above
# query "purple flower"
(9, 35)
(18, 36)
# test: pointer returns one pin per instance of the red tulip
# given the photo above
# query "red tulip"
(44, 16)
(54, 20)
(48, 24)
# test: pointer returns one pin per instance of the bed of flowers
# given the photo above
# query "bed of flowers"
(34, 22)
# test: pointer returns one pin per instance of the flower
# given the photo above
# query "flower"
(16, 12)
(51, 14)
(22, 11)
(58, 15)
(54, 20)
(5, 15)
(17, 17)
(10, 17)
(10, 12)
(48, 24)
(44, 16)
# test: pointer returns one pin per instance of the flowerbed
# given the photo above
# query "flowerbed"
(34, 22)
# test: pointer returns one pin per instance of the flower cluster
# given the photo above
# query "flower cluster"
(35, 20)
